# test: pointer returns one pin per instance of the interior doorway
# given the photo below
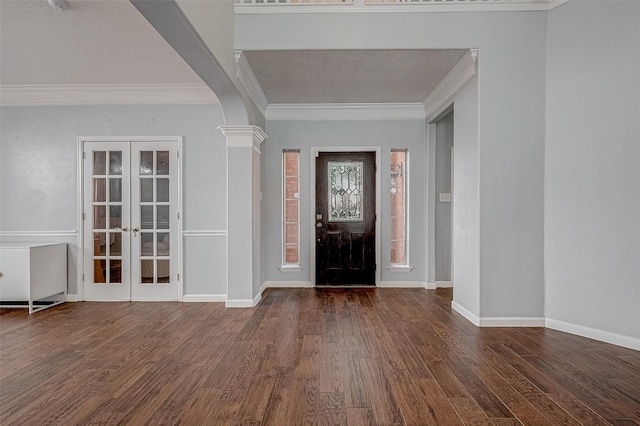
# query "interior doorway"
(443, 203)
(131, 225)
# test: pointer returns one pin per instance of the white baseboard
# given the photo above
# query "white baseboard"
(72, 297)
(497, 321)
(465, 313)
(403, 284)
(244, 303)
(431, 286)
(594, 333)
(204, 298)
(287, 284)
(239, 303)
(444, 284)
(511, 322)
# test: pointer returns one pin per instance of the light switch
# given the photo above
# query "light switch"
(445, 197)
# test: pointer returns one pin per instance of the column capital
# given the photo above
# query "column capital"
(243, 136)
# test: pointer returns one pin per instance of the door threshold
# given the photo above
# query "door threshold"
(345, 286)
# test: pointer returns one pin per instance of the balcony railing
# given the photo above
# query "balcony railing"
(535, 4)
(382, 2)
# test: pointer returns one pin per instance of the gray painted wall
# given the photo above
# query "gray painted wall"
(408, 134)
(38, 174)
(511, 87)
(592, 182)
(466, 199)
(444, 143)
(214, 22)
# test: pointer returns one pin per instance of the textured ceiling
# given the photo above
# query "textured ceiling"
(110, 42)
(351, 76)
(90, 42)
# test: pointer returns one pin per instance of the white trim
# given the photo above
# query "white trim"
(243, 136)
(400, 268)
(345, 112)
(244, 303)
(80, 201)
(465, 313)
(430, 286)
(250, 82)
(444, 284)
(72, 298)
(312, 200)
(511, 322)
(189, 298)
(594, 333)
(287, 284)
(205, 233)
(402, 284)
(106, 94)
(38, 234)
(290, 268)
(79, 219)
(180, 220)
(301, 8)
(459, 74)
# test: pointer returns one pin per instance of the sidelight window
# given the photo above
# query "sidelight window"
(399, 230)
(291, 208)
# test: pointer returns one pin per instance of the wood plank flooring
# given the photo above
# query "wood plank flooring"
(304, 356)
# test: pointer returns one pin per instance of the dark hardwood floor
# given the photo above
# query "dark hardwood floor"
(304, 356)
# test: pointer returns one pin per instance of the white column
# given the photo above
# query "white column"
(243, 214)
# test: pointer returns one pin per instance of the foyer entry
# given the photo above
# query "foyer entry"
(345, 216)
(130, 216)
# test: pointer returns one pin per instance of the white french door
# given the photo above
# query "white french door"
(131, 228)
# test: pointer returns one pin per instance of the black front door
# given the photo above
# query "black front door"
(345, 218)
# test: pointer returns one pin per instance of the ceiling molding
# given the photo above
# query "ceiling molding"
(250, 82)
(345, 112)
(449, 85)
(441, 6)
(105, 94)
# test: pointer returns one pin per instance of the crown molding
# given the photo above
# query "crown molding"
(426, 6)
(105, 94)
(459, 74)
(345, 112)
(250, 81)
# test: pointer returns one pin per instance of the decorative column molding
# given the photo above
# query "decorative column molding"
(243, 136)
(243, 214)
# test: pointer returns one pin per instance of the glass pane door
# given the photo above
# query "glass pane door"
(131, 220)
(154, 217)
(106, 220)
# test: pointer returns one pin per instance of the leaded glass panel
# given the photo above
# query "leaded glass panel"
(345, 190)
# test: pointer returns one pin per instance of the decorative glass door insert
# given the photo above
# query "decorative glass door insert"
(345, 190)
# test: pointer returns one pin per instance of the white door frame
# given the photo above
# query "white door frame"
(80, 201)
(312, 202)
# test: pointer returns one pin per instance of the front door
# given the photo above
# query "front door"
(130, 204)
(345, 218)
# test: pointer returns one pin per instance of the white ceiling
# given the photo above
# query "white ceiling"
(110, 42)
(351, 76)
(90, 42)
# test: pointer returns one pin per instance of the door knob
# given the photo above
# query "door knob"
(124, 229)
(319, 225)
(135, 231)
